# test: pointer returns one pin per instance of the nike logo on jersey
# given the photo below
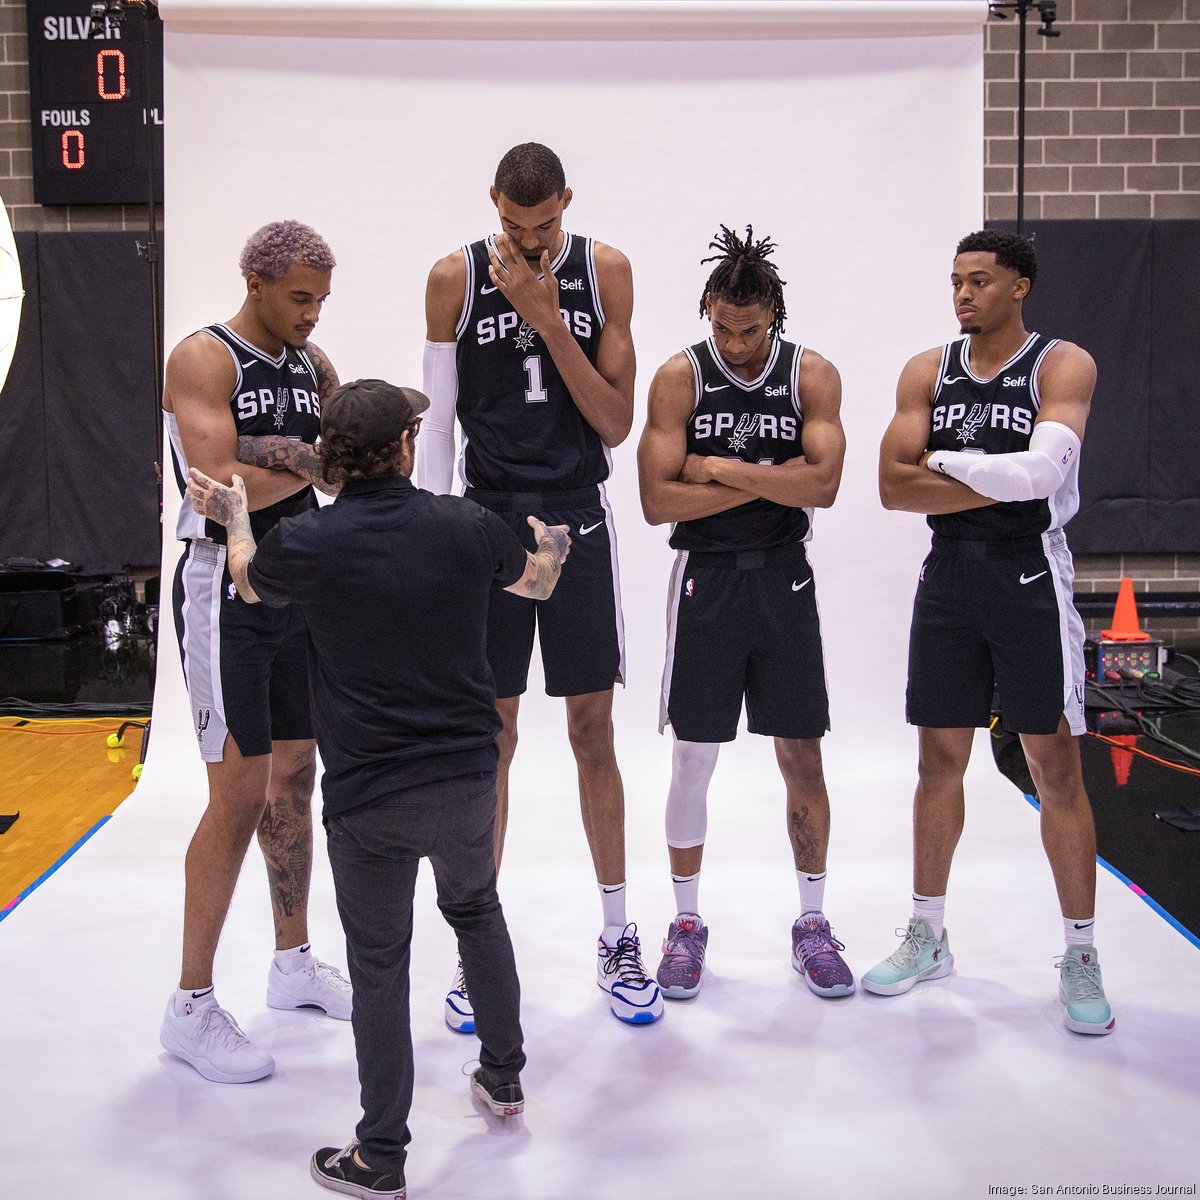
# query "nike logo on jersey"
(799, 587)
(947, 381)
(584, 530)
(708, 387)
(1031, 578)
(249, 364)
(488, 289)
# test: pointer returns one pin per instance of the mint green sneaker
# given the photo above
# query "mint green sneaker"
(1081, 991)
(919, 957)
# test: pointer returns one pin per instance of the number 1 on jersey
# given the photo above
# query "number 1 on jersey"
(535, 393)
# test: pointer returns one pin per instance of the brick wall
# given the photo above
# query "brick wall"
(1112, 122)
(1112, 130)
(16, 155)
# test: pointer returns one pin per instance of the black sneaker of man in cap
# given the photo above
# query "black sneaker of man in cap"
(394, 584)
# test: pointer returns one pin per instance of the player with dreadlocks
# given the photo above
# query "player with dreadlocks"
(743, 440)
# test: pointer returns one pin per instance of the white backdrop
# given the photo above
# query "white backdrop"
(860, 155)
(856, 144)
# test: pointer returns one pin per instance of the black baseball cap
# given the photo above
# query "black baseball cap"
(371, 412)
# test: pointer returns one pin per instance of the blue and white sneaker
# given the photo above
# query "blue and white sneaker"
(460, 1016)
(920, 956)
(1081, 992)
(633, 996)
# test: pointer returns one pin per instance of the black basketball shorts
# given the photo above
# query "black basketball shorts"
(743, 623)
(580, 629)
(996, 616)
(245, 665)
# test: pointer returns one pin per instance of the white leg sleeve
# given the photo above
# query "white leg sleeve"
(692, 765)
(435, 443)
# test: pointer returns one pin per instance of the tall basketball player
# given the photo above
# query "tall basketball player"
(245, 666)
(529, 349)
(985, 441)
(743, 440)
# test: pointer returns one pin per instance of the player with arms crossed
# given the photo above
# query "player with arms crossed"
(985, 442)
(245, 396)
(529, 348)
(743, 440)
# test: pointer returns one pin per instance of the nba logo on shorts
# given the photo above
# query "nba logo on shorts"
(231, 591)
(687, 587)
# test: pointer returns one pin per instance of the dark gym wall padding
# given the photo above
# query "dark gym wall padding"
(85, 486)
(1126, 292)
(24, 481)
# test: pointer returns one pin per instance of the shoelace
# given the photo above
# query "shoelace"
(1082, 979)
(334, 978)
(684, 946)
(218, 1024)
(460, 982)
(817, 939)
(345, 1152)
(625, 959)
(908, 950)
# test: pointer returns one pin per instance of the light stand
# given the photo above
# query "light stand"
(1047, 11)
(105, 15)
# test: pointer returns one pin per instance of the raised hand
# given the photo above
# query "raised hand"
(534, 298)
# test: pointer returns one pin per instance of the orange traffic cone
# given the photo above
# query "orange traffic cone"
(1122, 757)
(1125, 627)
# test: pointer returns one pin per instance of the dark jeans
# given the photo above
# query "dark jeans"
(374, 852)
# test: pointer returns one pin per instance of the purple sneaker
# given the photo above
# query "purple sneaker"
(683, 957)
(815, 955)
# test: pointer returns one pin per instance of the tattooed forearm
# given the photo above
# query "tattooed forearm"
(548, 563)
(274, 453)
(240, 554)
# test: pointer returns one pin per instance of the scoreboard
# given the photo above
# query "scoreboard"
(92, 102)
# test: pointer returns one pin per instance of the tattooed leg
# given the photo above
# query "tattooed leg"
(807, 801)
(285, 837)
(237, 792)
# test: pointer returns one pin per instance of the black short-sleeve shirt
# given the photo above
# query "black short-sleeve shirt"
(394, 584)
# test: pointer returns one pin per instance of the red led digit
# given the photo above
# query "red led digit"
(72, 149)
(118, 57)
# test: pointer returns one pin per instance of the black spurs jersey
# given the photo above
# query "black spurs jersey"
(996, 416)
(270, 396)
(521, 429)
(759, 422)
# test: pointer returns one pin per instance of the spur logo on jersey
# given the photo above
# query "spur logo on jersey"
(203, 716)
(264, 400)
(525, 336)
(981, 416)
(743, 427)
(508, 324)
(973, 422)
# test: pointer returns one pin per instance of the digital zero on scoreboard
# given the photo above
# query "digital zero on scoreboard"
(91, 102)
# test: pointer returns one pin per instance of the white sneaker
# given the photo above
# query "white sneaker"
(315, 985)
(633, 996)
(460, 1016)
(209, 1039)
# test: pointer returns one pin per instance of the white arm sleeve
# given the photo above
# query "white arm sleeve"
(435, 445)
(1031, 474)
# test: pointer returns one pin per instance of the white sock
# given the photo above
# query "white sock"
(612, 904)
(195, 997)
(812, 891)
(1080, 931)
(292, 960)
(687, 893)
(932, 909)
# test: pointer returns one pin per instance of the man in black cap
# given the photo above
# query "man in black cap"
(406, 725)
